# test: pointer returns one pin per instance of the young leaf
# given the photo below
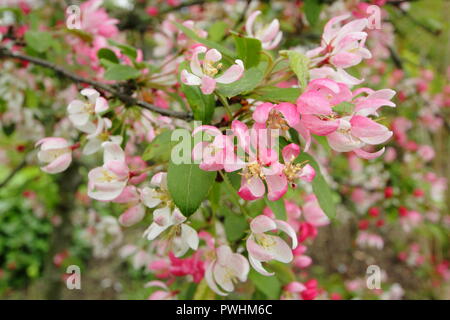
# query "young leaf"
(270, 286)
(251, 78)
(299, 64)
(210, 44)
(235, 225)
(320, 186)
(202, 105)
(189, 186)
(248, 50)
(107, 54)
(160, 148)
(39, 41)
(127, 50)
(312, 10)
(120, 72)
(218, 30)
(276, 95)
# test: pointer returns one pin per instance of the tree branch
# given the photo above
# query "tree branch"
(11, 175)
(127, 99)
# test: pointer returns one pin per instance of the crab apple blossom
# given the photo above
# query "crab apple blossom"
(56, 152)
(263, 247)
(181, 236)
(80, 112)
(107, 182)
(342, 46)
(204, 73)
(269, 35)
(225, 270)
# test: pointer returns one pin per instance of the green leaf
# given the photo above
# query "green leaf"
(250, 80)
(202, 105)
(270, 286)
(218, 30)
(277, 208)
(283, 272)
(248, 50)
(39, 41)
(320, 187)
(189, 185)
(312, 10)
(299, 64)
(127, 50)
(235, 225)
(108, 55)
(121, 72)
(160, 148)
(276, 95)
(210, 44)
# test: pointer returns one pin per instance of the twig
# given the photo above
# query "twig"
(11, 175)
(127, 99)
(183, 5)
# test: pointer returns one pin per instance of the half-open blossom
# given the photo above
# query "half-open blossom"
(341, 46)
(81, 111)
(107, 182)
(269, 35)
(205, 73)
(56, 152)
(183, 236)
(225, 270)
(263, 247)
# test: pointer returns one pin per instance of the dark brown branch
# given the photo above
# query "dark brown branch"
(127, 99)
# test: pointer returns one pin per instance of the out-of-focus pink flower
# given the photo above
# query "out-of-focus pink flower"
(270, 36)
(426, 152)
(57, 152)
(96, 20)
(192, 266)
(263, 247)
(164, 294)
(292, 291)
(366, 239)
(204, 73)
(313, 213)
(225, 270)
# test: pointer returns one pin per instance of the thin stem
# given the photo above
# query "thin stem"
(234, 195)
(224, 102)
(21, 165)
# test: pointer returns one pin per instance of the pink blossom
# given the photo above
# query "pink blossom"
(164, 294)
(192, 266)
(225, 269)
(270, 35)
(56, 152)
(341, 46)
(97, 21)
(313, 213)
(263, 247)
(107, 182)
(204, 72)
(276, 117)
(426, 153)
